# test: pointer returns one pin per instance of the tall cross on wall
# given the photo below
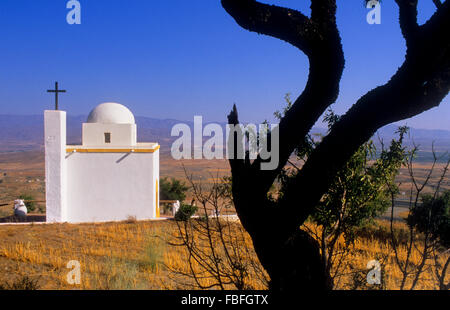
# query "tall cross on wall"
(56, 91)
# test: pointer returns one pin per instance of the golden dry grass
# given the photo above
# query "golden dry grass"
(373, 243)
(134, 255)
(103, 250)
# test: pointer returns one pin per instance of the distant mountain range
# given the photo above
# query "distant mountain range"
(22, 133)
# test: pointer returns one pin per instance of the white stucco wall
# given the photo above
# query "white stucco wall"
(156, 177)
(55, 165)
(121, 134)
(111, 186)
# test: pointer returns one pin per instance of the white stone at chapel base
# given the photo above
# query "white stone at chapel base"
(20, 209)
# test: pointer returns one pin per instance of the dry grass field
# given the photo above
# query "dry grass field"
(21, 173)
(136, 255)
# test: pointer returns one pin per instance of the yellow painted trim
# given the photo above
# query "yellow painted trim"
(157, 200)
(77, 150)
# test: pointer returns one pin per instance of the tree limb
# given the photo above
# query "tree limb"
(437, 3)
(323, 11)
(282, 23)
(421, 83)
(408, 19)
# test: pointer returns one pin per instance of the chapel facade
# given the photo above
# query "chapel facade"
(109, 177)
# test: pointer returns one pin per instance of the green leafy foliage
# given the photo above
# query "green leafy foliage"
(433, 217)
(185, 212)
(31, 206)
(172, 189)
(359, 191)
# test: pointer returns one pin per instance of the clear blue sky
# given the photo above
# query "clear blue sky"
(178, 58)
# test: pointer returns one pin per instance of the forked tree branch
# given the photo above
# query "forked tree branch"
(421, 83)
(318, 37)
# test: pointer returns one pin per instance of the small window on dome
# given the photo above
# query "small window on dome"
(107, 137)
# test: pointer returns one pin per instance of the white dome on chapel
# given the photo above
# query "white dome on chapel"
(111, 113)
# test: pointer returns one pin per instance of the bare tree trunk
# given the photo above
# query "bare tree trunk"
(442, 285)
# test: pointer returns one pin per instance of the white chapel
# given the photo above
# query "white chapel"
(109, 177)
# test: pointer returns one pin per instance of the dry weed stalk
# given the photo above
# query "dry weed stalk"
(219, 252)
